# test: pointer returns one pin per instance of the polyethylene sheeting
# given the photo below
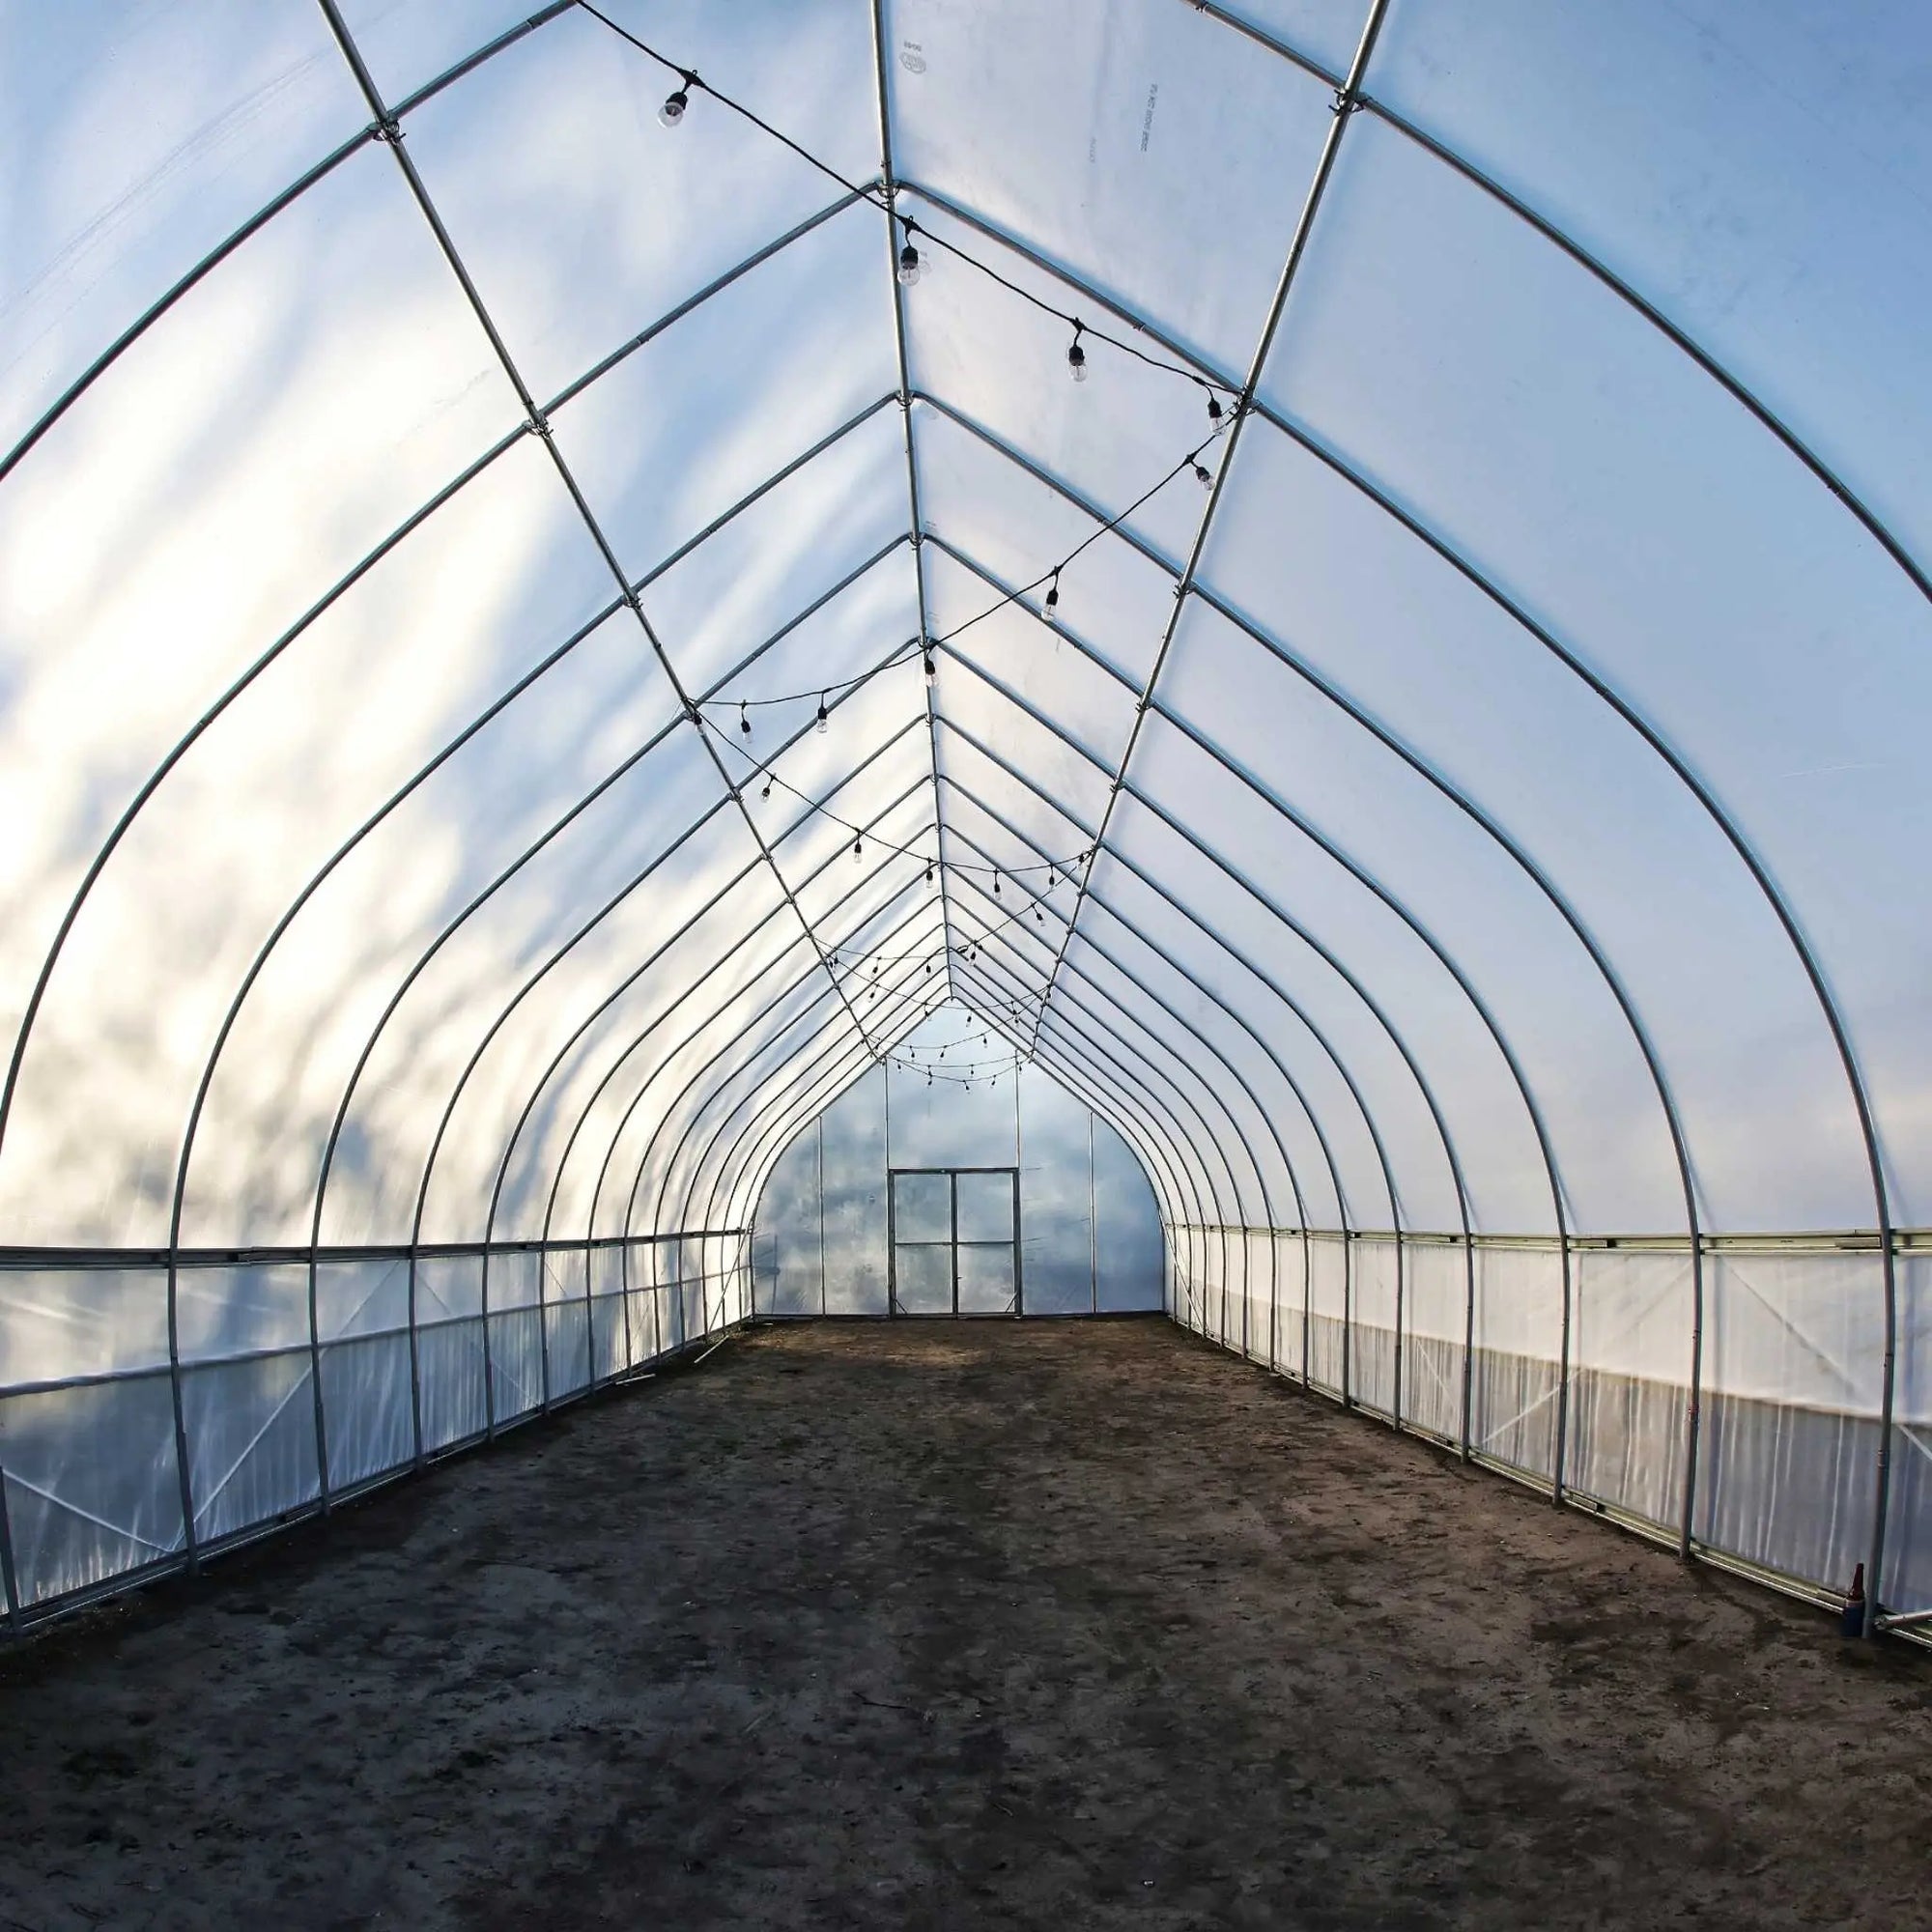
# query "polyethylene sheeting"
(1431, 826)
(91, 1480)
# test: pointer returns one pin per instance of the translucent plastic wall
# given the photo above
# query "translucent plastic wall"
(1087, 1226)
(1421, 740)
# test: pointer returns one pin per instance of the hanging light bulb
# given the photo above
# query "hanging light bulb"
(931, 665)
(996, 885)
(822, 721)
(765, 791)
(908, 260)
(858, 849)
(1076, 358)
(1050, 607)
(1217, 418)
(1204, 476)
(675, 102)
(929, 872)
(744, 721)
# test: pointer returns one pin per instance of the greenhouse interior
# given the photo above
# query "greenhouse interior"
(1100, 807)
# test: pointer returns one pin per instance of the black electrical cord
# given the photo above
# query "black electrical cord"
(690, 82)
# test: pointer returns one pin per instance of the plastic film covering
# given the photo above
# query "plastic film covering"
(565, 625)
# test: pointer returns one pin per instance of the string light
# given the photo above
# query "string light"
(1218, 419)
(823, 723)
(672, 112)
(1050, 606)
(676, 101)
(1076, 356)
(931, 662)
(908, 259)
(744, 721)
(1204, 476)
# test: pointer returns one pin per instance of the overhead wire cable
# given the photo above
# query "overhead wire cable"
(688, 82)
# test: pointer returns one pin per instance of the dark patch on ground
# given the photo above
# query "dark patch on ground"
(1071, 1625)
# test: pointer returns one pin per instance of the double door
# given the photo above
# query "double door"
(954, 1237)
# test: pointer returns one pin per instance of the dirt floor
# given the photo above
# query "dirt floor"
(1082, 1625)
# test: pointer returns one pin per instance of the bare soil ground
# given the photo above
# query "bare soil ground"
(1073, 1625)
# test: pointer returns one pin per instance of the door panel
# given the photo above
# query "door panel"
(955, 1242)
(986, 1206)
(986, 1279)
(921, 1208)
(923, 1283)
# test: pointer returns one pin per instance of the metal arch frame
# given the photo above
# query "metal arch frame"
(496, 708)
(342, 852)
(1552, 232)
(462, 916)
(752, 1181)
(1185, 583)
(1168, 1148)
(805, 1015)
(845, 1045)
(374, 131)
(999, 932)
(259, 220)
(1293, 1085)
(1680, 767)
(669, 1060)
(898, 987)
(1123, 1096)
(1278, 805)
(996, 941)
(636, 974)
(903, 995)
(1261, 1111)
(1112, 1002)
(897, 995)
(611, 1074)
(916, 518)
(1282, 915)
(1297, 248)
(1012, 772)
(621, 1059)
(777, 960)
(611, 1150)
(999, 819)
(332, 12)
(810, 1015)
(1180, 1150)
(450, 1106)
(395, 1004)
(1321, 951)
(773, 1131)
(789, 1107)
(245, 678)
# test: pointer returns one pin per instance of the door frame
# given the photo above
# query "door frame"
(952, 1174)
